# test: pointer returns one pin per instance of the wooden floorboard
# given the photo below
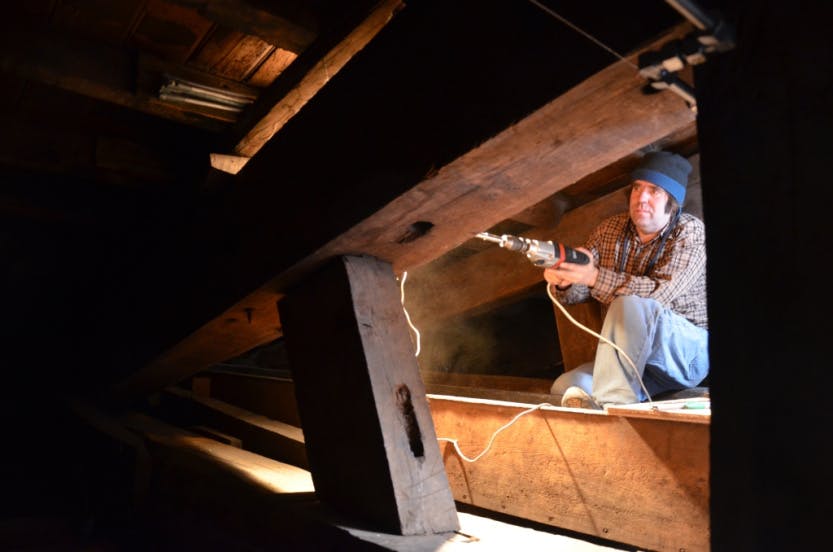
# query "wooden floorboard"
(644, 482)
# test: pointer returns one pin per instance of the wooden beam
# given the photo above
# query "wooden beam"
(643, 482)
(270, 396)
(594, 124)
(302, 80)
(245, 325)
(259, 434)
(436, 294)
(270, 474)
(370, 440)
(437, 291)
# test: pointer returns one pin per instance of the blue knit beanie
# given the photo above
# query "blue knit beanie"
(667, 170)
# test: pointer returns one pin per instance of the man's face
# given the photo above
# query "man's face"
(647, 207)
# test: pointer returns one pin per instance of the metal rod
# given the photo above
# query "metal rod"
(490, 237)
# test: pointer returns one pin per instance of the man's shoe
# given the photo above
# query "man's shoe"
(576, 397)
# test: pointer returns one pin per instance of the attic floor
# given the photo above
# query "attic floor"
(480, 534)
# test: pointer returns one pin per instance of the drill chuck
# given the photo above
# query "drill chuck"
(540, 253)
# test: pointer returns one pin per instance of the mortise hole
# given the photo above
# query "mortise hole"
(406, 408)
(415, 231)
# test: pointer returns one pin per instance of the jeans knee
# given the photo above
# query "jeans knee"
(625, 305)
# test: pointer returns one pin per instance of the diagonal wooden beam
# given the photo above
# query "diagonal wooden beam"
(437, 291)
(302, 80)
(495, 274)
(365, 378)
(596, 123)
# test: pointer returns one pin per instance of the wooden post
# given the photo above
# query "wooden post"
(764, 123)
(370, 438)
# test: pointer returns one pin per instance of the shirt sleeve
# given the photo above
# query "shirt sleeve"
(578, 293)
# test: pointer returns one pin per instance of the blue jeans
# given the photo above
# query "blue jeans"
(670, 353)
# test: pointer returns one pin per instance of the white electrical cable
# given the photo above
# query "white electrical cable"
(584, 33)
(407, 316)
(492, 440)
(591, 332)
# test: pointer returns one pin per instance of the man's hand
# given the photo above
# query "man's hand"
(570, 273)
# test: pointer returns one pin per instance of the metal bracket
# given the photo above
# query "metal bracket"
(659, 67)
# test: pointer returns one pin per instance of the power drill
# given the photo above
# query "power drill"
(542, 253)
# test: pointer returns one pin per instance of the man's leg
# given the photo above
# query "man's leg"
(580, 376)
(674, 349)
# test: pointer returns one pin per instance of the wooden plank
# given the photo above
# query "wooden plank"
(311, 72)
(287, 24)
(270, 474)
(368, 429)
(697, 410)
(259, 434)
(243, 59)
(637, 481)
(270, 396)
(274, 65)
(224, 438)
(488, 381)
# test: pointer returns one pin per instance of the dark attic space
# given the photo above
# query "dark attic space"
(246, 306)
(413, 106)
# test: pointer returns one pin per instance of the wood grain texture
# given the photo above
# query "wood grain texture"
(257, 433)
(635, 481)
(369, 433)
(322, 66)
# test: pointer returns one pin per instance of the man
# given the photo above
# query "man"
(649, 273)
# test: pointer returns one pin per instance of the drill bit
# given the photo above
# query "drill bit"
(490, 237)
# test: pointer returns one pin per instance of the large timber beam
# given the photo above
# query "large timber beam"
(495, 274)
(596, 123)
(368, 430)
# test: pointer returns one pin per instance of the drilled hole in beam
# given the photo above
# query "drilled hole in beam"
(415, 231)
(406, 408)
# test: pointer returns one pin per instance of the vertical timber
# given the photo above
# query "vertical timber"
(764, 125)
(370, 438)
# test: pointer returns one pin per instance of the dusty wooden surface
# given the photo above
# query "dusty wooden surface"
(368, 430)
(636, 481)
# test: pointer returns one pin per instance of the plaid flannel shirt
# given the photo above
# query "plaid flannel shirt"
(677, 279)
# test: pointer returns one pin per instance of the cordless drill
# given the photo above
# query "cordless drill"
(542, 253)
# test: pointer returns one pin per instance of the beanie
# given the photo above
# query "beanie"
(667, 170)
